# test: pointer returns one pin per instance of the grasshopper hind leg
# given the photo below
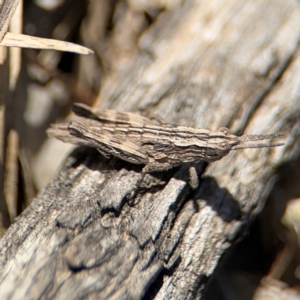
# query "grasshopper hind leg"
(104, 153)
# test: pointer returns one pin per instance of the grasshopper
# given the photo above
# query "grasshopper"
(156, 145)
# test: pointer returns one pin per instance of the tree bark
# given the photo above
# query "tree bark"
(204, 64)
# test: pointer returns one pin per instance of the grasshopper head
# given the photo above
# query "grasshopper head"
(219, 144)
(222, 141)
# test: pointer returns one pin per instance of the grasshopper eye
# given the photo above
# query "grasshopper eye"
(224, 130)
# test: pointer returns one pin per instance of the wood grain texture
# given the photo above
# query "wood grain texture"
(203, 64)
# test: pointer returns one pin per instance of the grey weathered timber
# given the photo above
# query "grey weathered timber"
(204, 64)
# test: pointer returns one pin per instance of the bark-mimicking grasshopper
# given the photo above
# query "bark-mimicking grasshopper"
(156, 145)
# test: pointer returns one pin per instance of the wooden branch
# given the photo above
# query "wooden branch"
(211, 64)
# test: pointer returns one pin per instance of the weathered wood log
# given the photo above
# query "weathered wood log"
(212, 64)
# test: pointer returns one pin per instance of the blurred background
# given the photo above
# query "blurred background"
(50, 81)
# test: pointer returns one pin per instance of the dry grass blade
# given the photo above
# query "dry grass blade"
(26, 41)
